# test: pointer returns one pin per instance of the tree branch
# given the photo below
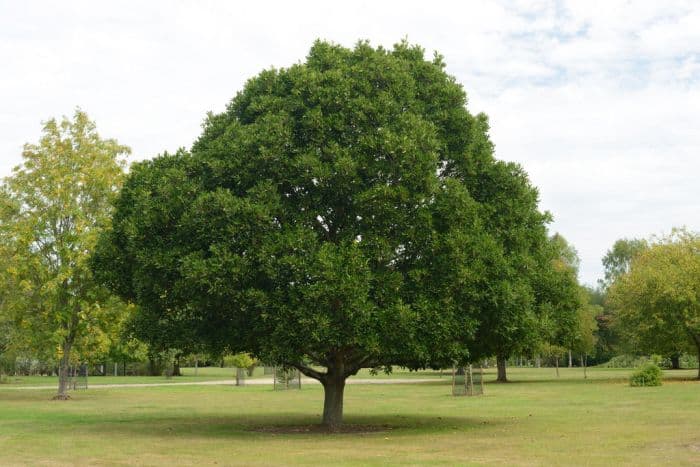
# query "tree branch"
(310, 372)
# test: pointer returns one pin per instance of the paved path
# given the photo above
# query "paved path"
(248, 382)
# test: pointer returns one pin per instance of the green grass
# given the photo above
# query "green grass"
(536, 420)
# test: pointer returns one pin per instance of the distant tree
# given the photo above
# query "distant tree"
(560, 295)
(567, 254)
(325, 219)
(616, 262)
(57, 202)
(584, 338)
(657, 301)
(8, 288)
(607, 340)
(618, 259)
(508, 320)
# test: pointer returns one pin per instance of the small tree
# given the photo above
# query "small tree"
(58, 200)
(241, 360)
(584, 338)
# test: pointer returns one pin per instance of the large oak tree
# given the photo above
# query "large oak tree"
(329, 220)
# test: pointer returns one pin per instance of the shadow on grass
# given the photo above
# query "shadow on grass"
(256, 426)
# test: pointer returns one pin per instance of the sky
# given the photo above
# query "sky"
(599, 101)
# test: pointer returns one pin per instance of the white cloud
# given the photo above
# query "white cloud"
(599, 100)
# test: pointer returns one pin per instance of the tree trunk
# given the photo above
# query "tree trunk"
(583, 364)
(63, 373)
(556, 363)
(675, 362)
(697, 344)
(338, 369)
(570, 362)
(196, 366)
(334, 388)
(176, 366)
(501, 365)
(152, 370)
(538, 362)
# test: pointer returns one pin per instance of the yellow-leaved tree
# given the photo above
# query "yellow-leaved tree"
(657, 302)
(55, 203)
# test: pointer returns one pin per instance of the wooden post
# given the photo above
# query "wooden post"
(481, 379)
(471, 381)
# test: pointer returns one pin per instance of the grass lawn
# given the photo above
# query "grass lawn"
(536, 420)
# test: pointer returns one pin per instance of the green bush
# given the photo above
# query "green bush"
(648, 375)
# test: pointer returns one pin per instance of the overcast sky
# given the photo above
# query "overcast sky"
(599, 101)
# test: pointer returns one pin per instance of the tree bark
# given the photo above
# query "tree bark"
(176, 366)
(63, 372)
(675, 362)
(583, 364)
(501, 365)
(556, 363)
(151, 366)
(339, 368)
(697, 344)
(570, 362)
(334, 389)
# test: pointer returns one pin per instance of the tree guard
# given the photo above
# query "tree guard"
(467, 382)
(286, 378)
(78, 377)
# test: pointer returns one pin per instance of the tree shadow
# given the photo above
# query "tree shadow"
(269, 426)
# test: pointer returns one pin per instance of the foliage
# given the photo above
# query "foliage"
(607, 339)
(337, 212)
(567, 254)
(635, 361)
(618, 259)
(54, 206)
(584, 337)
(657, 302)
(524, 285)
(647, 375)
(561, 297)
(240, 360)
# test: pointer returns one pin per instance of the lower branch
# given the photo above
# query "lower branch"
(310, 372)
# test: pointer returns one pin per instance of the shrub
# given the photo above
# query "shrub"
(648, 375)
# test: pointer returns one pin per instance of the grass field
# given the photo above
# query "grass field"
(535, 420)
